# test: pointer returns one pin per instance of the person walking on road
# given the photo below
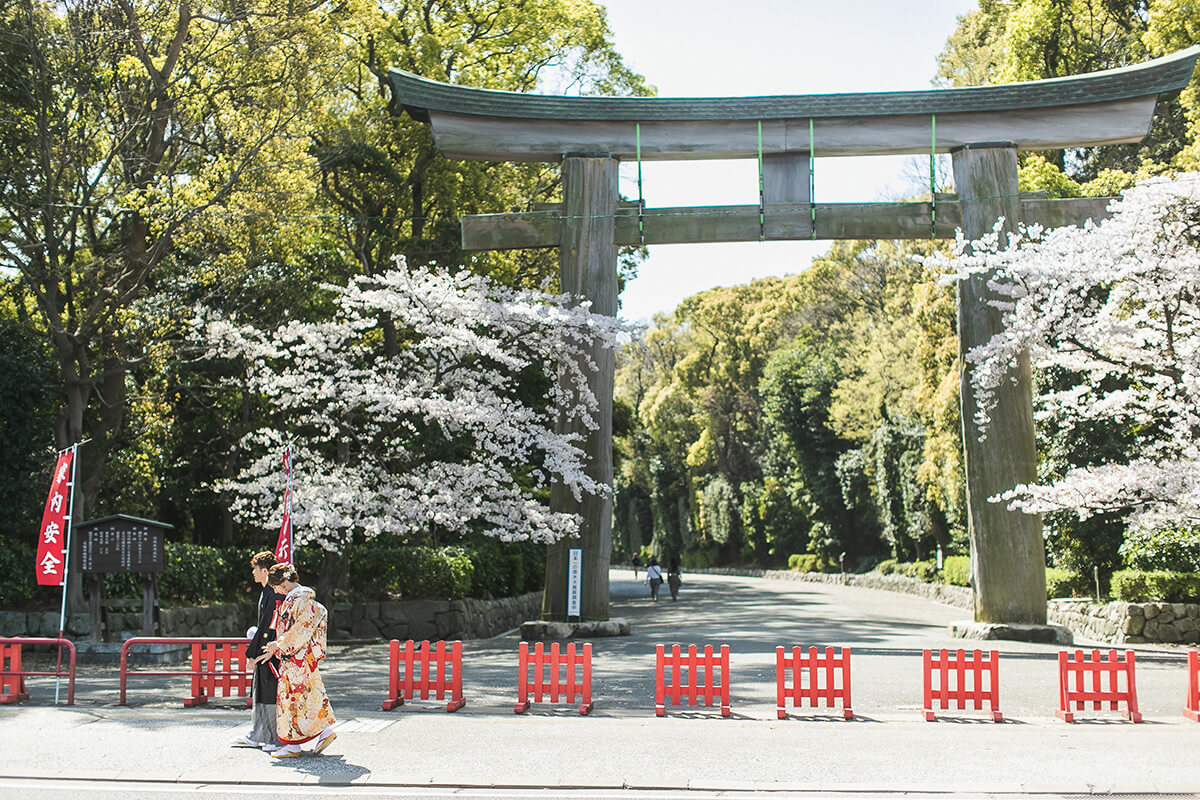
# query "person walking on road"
(654, 578)
(303, 713)
(265, 682)
(637, 562)
(673, 577)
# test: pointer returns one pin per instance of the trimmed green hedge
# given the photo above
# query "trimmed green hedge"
(810, 562)
(1135, 586)
(196, 574)
(956, 570)
(1061, 582)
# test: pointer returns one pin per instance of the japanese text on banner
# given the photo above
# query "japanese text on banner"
(51, 552)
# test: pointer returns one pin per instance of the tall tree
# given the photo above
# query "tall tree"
(1026, 40)
(142, 118)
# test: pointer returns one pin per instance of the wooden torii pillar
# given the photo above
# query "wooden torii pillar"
(982, 127)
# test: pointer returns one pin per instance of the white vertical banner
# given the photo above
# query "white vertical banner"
(574, 580)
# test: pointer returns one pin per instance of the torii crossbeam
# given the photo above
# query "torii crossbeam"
(982, 127)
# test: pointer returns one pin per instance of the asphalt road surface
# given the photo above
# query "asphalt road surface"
(154, 748)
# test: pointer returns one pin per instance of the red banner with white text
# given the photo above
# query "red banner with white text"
(283, 547)
(52, 538)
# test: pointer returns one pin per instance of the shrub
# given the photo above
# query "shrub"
(376, 570)
(1167, 549)
(956, 570)
(192, 574)
(809, 562)
(506, 570)
(1062, 582)
(18, 584)
(921, 570)
(1132, 585)
(886, 567)
(379, 569)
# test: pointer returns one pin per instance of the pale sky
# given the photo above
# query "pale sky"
(717, 48)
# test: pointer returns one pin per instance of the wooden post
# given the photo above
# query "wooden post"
(149, 601)
(587, 259)
(1008, 556)
(94, 605)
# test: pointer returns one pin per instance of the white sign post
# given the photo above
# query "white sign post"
(574, 580)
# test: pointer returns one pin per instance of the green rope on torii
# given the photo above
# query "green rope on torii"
(641, 200)
(761, 194)
(812, 181)
(932, 176)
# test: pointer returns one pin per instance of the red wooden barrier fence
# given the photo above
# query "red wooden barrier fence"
(436, 671)
(807, 684)
(1191, 705)
(976, 678)
(691, 688)
(541, 662)
(1080, 665)
(218, 664)
(12, 676)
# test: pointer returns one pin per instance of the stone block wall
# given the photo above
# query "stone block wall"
(1129, 623)
(432, 619)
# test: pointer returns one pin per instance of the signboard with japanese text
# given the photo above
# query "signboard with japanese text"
(574, 580)
(121, 544)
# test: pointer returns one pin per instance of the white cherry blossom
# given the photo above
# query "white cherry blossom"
(1117, 302)
(437, 436)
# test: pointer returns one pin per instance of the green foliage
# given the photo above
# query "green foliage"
(1162, 549)
(809, 562)
(956, 570)
(772, 522)
(1061, 582)
(18, 585)
(193, 573)
(720, 520)
(1134, 586)
(921, 570)
(887, 566)
(802, 448)
(27, 378)
(376, 570)
(503, 569)
(1022, 40)
(1039, 175)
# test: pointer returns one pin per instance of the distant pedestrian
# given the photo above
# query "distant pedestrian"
(674, 581)
(265, 682)
(654, 578)
(637, 562)
(303, 713)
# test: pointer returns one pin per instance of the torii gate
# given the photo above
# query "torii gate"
(981, 127)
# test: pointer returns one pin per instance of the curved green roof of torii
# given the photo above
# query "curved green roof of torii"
(1106, 107)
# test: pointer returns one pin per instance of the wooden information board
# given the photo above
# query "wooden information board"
(122, 544)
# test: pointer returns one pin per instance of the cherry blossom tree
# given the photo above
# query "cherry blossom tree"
(1117, 303)
(460, 431)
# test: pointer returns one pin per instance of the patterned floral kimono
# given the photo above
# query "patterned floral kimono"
(302, 710)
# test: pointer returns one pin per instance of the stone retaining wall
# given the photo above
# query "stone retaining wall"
(1129, 623)
(1114, 623)
(400, 619)
(432, 619)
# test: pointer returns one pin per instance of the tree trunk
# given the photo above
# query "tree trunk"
(1008, 557)
(588, 267)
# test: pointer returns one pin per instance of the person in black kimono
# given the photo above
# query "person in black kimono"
(266, 674)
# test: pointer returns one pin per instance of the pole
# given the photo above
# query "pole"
(62, 611)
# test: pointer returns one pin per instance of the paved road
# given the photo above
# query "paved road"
(622, 748)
